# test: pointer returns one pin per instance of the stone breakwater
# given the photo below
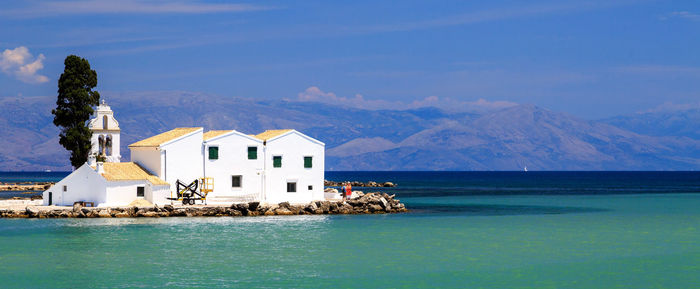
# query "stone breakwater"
(26, 186)
(370, 184)
(371, 203)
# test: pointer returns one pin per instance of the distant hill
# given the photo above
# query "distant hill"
(678, 122)
(359, 139)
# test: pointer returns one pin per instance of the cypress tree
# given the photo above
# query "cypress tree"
(74, 107)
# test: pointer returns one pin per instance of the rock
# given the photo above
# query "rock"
(150, 214)
(333, 208)
(325, 206)
(375, 208)
(180, 212)
(297, 209)
(32, 211)
(104, 214)
(241, 206)
(122, 215)
(168, 208)
(388, 185)
(356, 194)
(283, 211)
(284, 205)
(311, 207)
(253, 206)
(385, 205)
(77, 207)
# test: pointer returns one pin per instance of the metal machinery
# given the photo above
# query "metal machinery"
(196, 190)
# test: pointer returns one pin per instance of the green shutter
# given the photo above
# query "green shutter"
(213, 153)
(307, 162)
(252, 153)
(277, 161)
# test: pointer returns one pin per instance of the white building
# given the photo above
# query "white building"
(105, 134)
(173, 155)
(108, 184)
(294, 166)
(236, 163)
(274, 166)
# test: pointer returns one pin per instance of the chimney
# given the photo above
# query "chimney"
(100, 168)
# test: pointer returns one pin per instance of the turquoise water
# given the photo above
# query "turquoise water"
(496, 240)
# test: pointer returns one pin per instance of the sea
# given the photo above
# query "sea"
(464, 230)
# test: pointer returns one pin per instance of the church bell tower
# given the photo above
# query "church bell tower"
(105, 135)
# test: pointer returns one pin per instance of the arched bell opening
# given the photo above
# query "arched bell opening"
(108, 145)
(101, 141)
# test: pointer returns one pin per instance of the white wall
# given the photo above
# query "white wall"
(122, 193)
(84, 184)
(233, 160)
(182, 159)
(149, 158)
(293, 147)
(158, 194)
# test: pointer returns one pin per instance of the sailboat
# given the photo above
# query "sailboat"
(525, 169)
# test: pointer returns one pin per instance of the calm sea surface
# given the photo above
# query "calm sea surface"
(465, 230)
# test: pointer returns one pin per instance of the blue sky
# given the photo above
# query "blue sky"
(593, 59)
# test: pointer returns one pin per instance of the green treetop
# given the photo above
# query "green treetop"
(74, 107)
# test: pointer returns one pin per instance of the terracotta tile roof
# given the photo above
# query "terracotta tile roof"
(215, 133)
(167, 136)
(129, 172)
(268, 134)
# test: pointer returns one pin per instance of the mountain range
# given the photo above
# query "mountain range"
(426, 138)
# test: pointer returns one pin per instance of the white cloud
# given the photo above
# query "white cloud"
(683, 15)
(18, 63)
(315, 94)
(492, 15)
(52, 8)
(663, 70)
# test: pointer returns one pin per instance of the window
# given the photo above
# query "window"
(65, 188)
(277, 161)
(140, 192)
(311, 188)
(252, 153)
(308, 162)
(213, 153)
(236, 181)
(291, 187)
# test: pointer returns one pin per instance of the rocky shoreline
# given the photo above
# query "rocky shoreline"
(370, 184)
(371, 203)
(25, 186)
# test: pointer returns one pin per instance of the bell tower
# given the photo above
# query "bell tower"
(105, 135)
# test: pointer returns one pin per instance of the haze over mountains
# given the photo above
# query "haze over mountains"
(426, 138)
